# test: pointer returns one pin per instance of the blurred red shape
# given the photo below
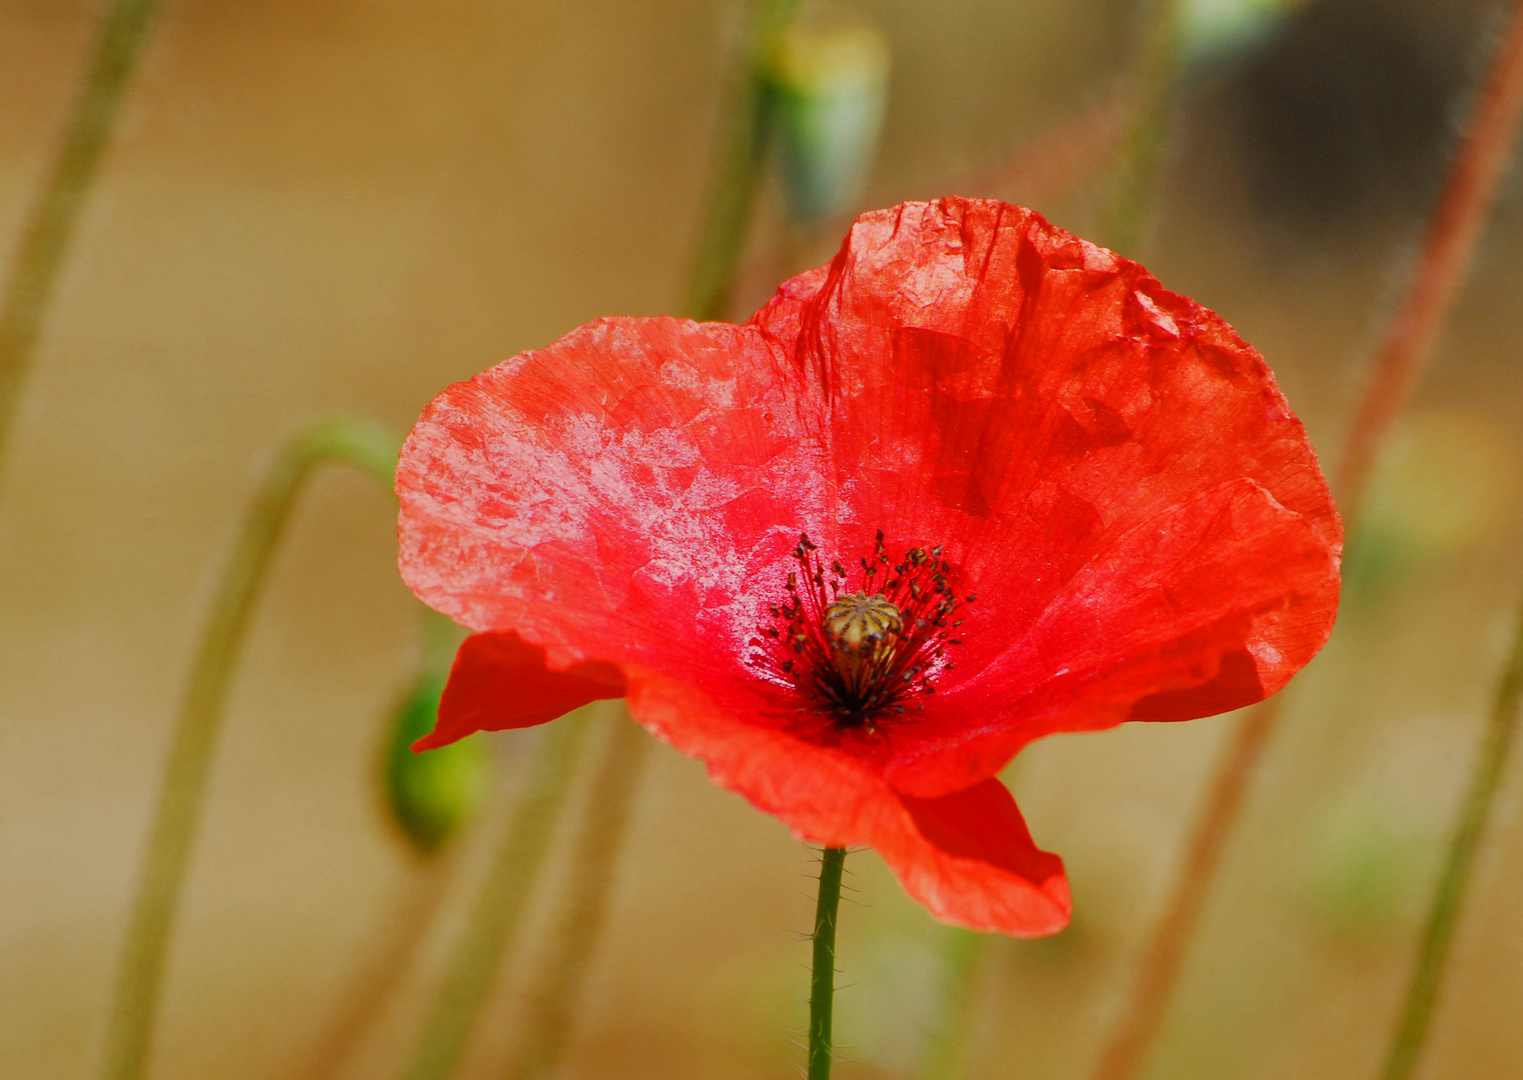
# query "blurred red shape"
(1105, 464)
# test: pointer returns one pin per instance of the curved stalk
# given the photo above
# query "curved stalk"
(739, 159)
(1445, 257)
(49, 227)
(179, 807)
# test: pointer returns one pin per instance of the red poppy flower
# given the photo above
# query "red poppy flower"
(974, 482)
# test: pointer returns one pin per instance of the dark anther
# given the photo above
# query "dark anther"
(862, 648)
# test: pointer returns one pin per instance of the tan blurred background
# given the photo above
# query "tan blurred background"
(346, 204)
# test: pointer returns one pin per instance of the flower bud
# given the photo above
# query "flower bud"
(827, 81)
(432, 794)
(1215, 32)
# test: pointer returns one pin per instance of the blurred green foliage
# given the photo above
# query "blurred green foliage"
(827, 82)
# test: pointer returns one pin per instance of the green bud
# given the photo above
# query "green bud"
(432, 794)
(1215, 32)
(827, 82)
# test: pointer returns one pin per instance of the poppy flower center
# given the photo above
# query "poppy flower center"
(862, 656)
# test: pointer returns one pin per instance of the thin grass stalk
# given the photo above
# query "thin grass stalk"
(740, 155)
(1454, 881)
(581, 914)
(1046, 167)
(130, 1035)
(500, 906)
(1139, 169)
(49, 227)
(1440, 270)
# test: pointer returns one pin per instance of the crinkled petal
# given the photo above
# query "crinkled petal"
(1173, 623)
(499, 681)
(629, 493)
(1038, 405)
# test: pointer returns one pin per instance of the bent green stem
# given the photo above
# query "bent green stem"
(580, 916)
(740, 154)
(500, 905)
(1454, 880)
(822, 979)
(179, 807)
(1144, 149)
(49, 227)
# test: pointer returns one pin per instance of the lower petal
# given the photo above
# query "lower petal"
(967, 856)
(500, 681)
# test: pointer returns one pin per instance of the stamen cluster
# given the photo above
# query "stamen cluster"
(861, 656)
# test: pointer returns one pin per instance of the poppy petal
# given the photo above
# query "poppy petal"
(499, 681)
(971, 861)
(1172, 623)
(1038, 404)
(608, 497)
(968, 856)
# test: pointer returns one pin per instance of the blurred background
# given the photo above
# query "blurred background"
(313, 206)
